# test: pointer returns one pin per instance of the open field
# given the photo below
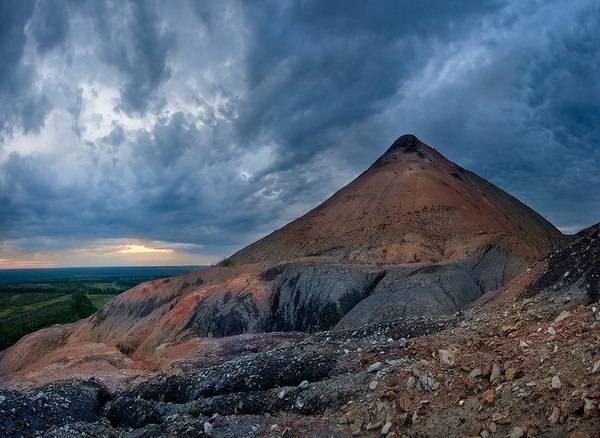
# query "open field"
(99, 300)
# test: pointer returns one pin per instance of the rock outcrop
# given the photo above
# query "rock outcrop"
(573, 273)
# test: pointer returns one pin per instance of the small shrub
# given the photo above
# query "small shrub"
(225, 262)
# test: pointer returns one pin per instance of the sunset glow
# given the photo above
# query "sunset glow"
(17, 264)
(141, 249)
(110, 252)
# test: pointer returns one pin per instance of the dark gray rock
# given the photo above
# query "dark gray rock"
(314, 297)
(221, 315)
(573, 272)
(434, 290)
(309, 297)
(55, 404)
(239, 397)
(493, 266)
(252, 373)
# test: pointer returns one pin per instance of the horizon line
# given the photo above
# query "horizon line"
(101, 267)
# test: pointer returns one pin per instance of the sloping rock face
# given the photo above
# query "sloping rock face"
(411, 205)
(507, 370)
(415, 235)
(315, 297)
(573, 273)
(405, 292)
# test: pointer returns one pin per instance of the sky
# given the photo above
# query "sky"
(169, 133)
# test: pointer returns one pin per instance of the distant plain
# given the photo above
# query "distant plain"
(32, 299)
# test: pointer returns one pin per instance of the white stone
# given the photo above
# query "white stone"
(446, 357)
(475, 373)
(386, 428)
(496, 373)
(556, 383)
(516, 432)
(563, 315)
(208, 428)
(374, 367)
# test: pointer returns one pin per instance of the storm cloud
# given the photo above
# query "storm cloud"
(205, 125)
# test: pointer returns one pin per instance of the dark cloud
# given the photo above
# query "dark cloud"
(565, 102)
(211, 14)
(26, 191)
(116, 137)
(33, 113)
(15, 78)
(212, 123)
(13, 18)
(527, 115)
(138, 47)
(316, 68)
(50, 24)
(563, 81)
(168, 140)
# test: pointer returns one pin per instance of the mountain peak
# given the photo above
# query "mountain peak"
(411, 205)
(406, 143)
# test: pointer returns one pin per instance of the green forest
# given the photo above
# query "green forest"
(29, 306)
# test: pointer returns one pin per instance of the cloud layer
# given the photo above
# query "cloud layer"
(208, 124)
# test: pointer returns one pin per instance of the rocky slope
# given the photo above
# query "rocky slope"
(523, 362)
(415, 235)
(574, 272)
